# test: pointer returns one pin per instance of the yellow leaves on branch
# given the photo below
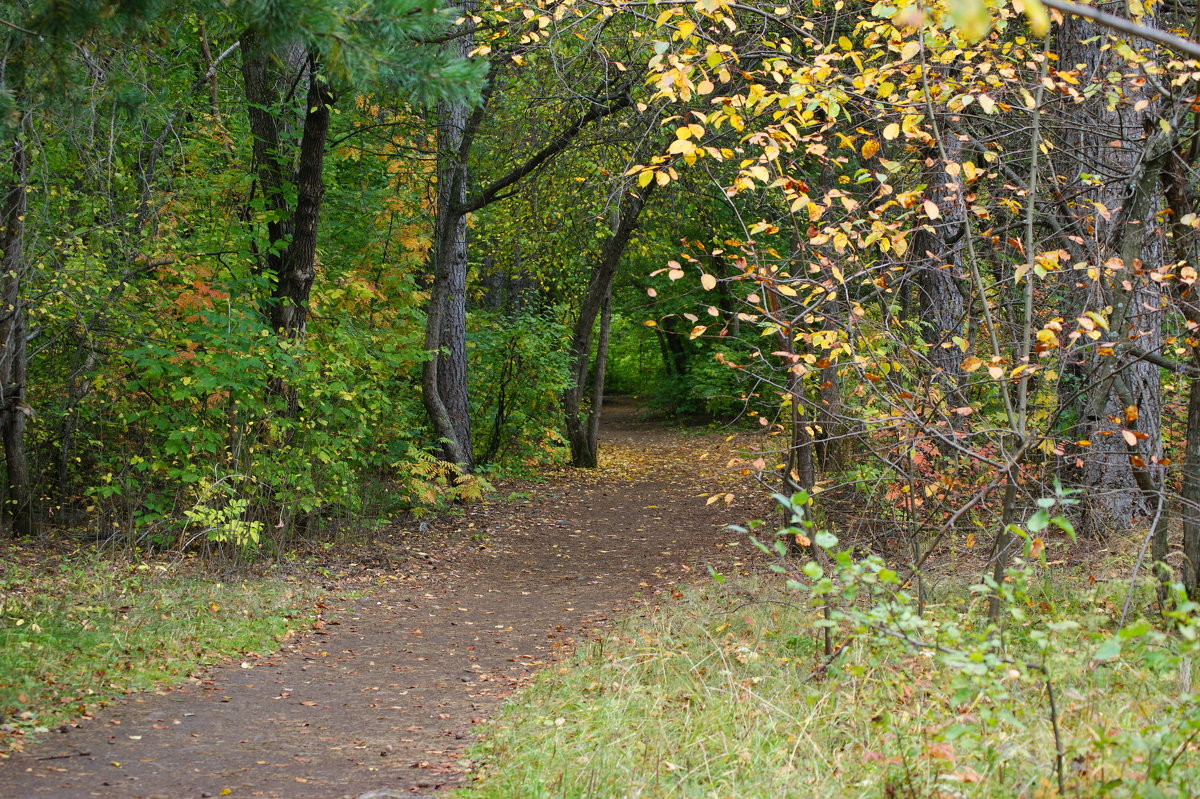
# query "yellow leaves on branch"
(973, 18)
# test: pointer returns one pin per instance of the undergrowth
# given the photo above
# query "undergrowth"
(728, 692)
(80, 628)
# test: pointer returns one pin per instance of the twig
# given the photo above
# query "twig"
(819, 670)
(1123, 25)
(64, 757)
(1141, 554)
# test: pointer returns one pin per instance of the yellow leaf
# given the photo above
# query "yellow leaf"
(645, 178)
(869, 148)
(697, 331)
(971, 17)
(1039, 21)
(682, 146)
(1131, 414)
(931, 209)
(891, 132)
(971, 364)
(708, 282)
(650, 323)
(1129, 437)
(909, 50)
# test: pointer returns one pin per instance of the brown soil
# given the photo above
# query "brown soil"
(385, 693)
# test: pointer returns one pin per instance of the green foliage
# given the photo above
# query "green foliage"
(376, 43)
(211, 433)
(519, 370)
(634, 365)
(83, 629)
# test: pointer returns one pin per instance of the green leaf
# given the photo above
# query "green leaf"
(1038, 521)
(1109, 650)
(825, 540)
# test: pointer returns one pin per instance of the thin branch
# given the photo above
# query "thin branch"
(1122, 25)
(600, 109)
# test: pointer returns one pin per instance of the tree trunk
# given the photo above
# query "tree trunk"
(14, 411)
(261, 84)
(1186, 243)
(444, 382)
(444, 379)
(293, 282)
(1191, 493)
(583, 423)
(939, 252)
(1111, 498)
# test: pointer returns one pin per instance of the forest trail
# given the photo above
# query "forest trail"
(384, 696)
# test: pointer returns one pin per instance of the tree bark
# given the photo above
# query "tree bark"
(444, 378)
(14, 411)
(297, 269)
(1191, 494)
(583, 423)
(261, 85)
(444, 387)
(1186, 242)
(1111, 498)
(938, 250)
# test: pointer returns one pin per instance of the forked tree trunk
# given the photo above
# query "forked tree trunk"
(583, 421)
(293, 283)
(290, 258)
(261, 83)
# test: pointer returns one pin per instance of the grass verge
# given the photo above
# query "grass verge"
(80, 627)
(721, 694)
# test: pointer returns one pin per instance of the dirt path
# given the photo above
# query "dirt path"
(384, 695)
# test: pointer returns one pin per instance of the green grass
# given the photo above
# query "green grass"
(714, 696)
(78, 629)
